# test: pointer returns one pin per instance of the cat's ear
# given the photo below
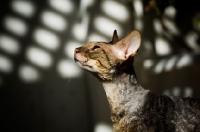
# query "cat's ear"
(128, 46)
(115, 38)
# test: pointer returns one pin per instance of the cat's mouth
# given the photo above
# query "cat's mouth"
(85, 63)
(82, 64)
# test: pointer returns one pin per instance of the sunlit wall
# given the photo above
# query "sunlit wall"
(41, 89)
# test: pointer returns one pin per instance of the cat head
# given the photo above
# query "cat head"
(103, 59)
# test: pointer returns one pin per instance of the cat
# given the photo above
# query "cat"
(134, 109)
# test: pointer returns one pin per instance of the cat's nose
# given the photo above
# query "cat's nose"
(77, 50)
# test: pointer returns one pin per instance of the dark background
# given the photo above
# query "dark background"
(41, 89)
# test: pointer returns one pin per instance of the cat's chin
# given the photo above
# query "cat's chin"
(84, 66)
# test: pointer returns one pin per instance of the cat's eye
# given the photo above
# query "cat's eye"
(96, 47)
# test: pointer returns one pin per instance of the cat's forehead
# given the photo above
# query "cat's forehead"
(91, 44)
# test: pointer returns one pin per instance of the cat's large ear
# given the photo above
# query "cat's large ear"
(128, 46)
(115, 38)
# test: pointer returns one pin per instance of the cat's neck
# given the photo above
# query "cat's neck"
(124, 93)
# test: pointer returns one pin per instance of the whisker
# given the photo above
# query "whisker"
(69, 76)
(69, 79)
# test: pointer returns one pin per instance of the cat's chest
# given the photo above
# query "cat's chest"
(124, 98)
(125, 102)
(114, 93)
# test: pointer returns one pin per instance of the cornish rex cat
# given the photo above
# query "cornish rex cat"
(134, 109)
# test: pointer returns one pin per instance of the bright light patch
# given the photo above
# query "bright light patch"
(111, 8)
(102, 127)
(170, 11)
(28, 74)
(68, 69)
(15, 25)
(85, 3)
(138, 24)
(54, 21)
(63, 6)
(157, 26)
(80, 29)
(188, 92)
(147, 45)
(166, 92)
(6, 64)
(176, 91)
(69, 48)
(185, 60)
(46, 39)
(148, 63)
(159, 66)
(191, 40)
(138, 6)
(96, 37)
(162, 47)
(171, 26)
(25, 8)
(171, 63)
(107, 26)
(9, 44)
(39, 57)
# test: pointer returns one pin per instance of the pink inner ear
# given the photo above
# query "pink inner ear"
(119, 52)
(128, 46)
